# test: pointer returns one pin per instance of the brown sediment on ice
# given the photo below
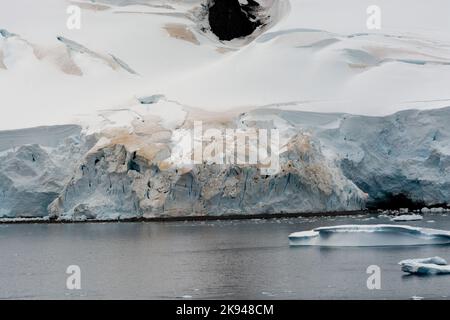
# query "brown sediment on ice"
(182, 32)
(59, 57)
(2, 64)
(159, 6)
(38, 51)
(167, 14)
(90, 6)
(383, 52)
(67, 65)
(224, 50)
(148, 139)
(198, 114)
(359, 65)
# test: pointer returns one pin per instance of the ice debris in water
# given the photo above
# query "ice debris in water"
(424, 266)
(369, 235)
(407, 217)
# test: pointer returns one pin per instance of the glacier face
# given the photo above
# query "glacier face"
(330, 162)
(407, 153)
(120, 181)
(34, 167)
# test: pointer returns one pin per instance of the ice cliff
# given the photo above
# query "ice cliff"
(399, 160)
(35, 164)
(136, 175)
(329, 162)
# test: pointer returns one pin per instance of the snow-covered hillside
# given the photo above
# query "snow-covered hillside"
(315, 55)
(92, 118)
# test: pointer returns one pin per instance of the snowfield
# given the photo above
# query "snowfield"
(92, 119)
(312, 56)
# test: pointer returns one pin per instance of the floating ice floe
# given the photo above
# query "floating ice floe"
(369, 235)
(433, 265)
(407, 217)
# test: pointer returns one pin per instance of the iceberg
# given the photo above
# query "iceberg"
(425, 266)
(432, 260)
(369, 235)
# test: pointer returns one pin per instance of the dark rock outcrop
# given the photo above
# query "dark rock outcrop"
(229, 19)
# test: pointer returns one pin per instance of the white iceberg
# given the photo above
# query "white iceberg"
(369, 235)
(432, 260)
(407, 217)
(424, 266)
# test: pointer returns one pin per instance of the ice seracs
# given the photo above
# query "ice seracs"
(369, 235)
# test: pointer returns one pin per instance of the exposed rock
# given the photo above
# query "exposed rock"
(229, 19)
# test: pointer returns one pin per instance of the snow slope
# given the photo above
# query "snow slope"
(313, 55)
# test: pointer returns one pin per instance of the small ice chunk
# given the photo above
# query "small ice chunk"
(408, 217)
(304, 234)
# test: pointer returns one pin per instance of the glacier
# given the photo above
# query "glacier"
(369, 236)
(363, 117)
(328, 164)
